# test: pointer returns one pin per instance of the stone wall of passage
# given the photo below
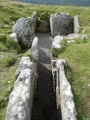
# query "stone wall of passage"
(21, 98)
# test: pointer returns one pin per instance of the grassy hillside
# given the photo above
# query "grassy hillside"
(77, 55)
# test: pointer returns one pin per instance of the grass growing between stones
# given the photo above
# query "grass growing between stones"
(77, 55)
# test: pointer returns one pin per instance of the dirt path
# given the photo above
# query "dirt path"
(45, 101)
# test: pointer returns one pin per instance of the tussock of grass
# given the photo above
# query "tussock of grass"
(27, 53)
(13, 46)
(6, 62)
(3, 38)
(9, 45)
(77, 56)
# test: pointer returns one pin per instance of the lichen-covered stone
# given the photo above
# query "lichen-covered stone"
(56, 41)
(61, 24)
(25, 29)
(24, 63)
(76, 24)
(21, 98)
(64, 93)
(35, 49)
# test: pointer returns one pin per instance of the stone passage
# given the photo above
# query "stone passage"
(45, 100)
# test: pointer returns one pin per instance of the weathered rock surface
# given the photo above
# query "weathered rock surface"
(43, 26)
(24, 64)
(72, 36)
(64, 93)
(61, 24)
(35, 49)
(76, 25)
(21, 98)
(56, 41)
(25, 29)
(14, 37)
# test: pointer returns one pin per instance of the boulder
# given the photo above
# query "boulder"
(21, 98)
(25, 29)
(42, 26)
(61, 24)
(56, 41)
(35, 49)
(14, 37)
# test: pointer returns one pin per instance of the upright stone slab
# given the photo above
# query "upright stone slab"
(61, 24)
(34, 15)
(35, 49)
(21, 99)
(64, 93)
(76, 24)
(25, 30)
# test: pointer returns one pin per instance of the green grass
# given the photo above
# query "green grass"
(76, 55)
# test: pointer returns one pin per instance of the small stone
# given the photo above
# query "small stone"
(9, 89)
(89, 85)
(56, 42)
(70, 41)
(84, 37)
(14, 37)
(8, 81)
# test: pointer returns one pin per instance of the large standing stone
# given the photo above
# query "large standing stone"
(35, 49)
(76, 24)
(25, 29)
(61, 24)
(64, 93)
(21, 98)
